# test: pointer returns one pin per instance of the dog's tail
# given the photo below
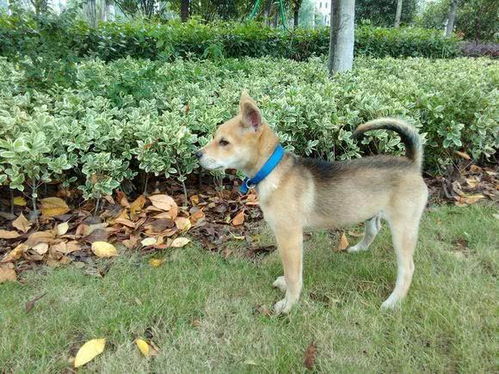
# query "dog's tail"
(408, 135)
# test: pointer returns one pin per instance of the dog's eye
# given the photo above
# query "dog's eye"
(223, 142)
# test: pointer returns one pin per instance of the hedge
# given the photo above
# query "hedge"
(60, 38)
(131, 118)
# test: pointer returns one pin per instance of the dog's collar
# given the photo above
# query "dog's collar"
(265, 170)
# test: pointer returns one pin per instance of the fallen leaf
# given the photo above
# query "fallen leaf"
(7, 273)
(19, 201)
(148, 242)
(132, 242)
(238, 219)
(310, 356)
(62, 228)
(343, 244)
(21, 223)
(125, 222)
(104, 249)
(146, 349)
(182, 223)
(463, 155)
(468, 199)
(15, 254)
(89, 351)
(179, 242)
(30, 304)
(156, 262)
(356, 234)
(41, 248)
(4, 234)
(53, 206)
(39, 237)
(163, 202)
(137, 206)
(197, 216)
(194, 199)
(121, 197)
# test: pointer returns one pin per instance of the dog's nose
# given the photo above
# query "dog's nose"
(198, 154)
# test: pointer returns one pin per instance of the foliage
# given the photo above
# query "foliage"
(476, 19)
(129, 117)
(54, 40)
(382, 12)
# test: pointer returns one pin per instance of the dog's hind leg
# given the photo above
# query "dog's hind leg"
(404, 237)
(371, 229)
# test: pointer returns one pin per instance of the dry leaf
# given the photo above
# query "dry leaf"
(62, 228)
(163, 202)
(7, 273)
(53, 206)
(16, 253)
(238, 219)
(179, 242)
(125, 222)
(343, 244)
(156, 262)
(21, 223)
(137, 206)
(197, 216)
(89, 351)
(39, 237)
(4, 234)
(310, 356)
(194, 199)
(182, 223)
(41, 248)
(104, 249)
(148, 242)
(463, 155)
(19, 201)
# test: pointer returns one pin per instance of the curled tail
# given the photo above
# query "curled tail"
(408, 135)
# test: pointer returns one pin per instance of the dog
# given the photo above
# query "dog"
(303, 193)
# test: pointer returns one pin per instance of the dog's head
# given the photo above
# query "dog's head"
(235, 143)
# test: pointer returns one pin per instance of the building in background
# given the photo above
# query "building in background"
(323, 12)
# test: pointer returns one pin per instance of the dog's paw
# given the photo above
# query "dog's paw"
(391, 303)
(282, 307)
(280, 283)
(357, 248)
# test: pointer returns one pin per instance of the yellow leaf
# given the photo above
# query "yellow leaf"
(238, 219)
(143, 347)
(343, 244)
(183, 223)
(463, 155)
(148, 241)
(41, 248)
(163, 202)
(137, 206)
(179, 242)
(19, 201)
(4, 234)
(54, 206)
(88, 351)
(7, 273)
(16, 253)
(156, 262)
(21, 223)
(104, 249)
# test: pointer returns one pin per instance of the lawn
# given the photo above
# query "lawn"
(200, 309)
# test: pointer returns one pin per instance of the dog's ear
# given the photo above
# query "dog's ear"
(251, 116)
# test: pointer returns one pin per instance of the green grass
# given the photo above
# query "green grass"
(448, 323)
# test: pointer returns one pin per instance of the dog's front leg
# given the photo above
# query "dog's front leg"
(290, 246)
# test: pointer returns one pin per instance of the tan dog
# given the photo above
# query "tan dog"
(302, 193)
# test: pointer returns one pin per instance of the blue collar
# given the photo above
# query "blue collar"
(266, 169)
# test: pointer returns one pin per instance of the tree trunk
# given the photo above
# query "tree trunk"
(267, 12)
(341, 39)
(295, 17)
(184, 10)
(398, 13)
(451, 19)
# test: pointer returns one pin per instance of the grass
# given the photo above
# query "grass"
(448, 323)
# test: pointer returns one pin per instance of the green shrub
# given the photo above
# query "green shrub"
(132, 117)
(23, 35)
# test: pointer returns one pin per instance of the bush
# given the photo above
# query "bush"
(132, 117)
(24, 35)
